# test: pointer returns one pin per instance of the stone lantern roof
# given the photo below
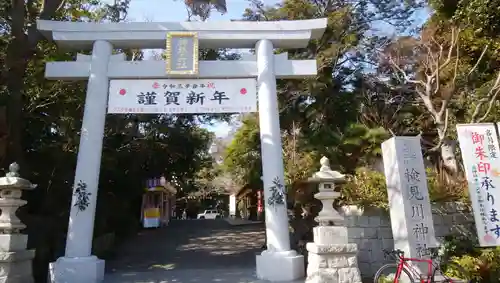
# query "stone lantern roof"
(326, 174)
(13, 181)
(327, 178)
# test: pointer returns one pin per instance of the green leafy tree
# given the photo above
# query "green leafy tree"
(325, 106)
(203, 8)
(242, 156)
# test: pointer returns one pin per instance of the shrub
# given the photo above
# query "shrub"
(441, 189)
(386, 279)
(366, 188)
(482, 264)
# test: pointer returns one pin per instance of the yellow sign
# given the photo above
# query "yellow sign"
(151, 213)
(182, 53)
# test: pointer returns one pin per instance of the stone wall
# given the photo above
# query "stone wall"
(371, 230)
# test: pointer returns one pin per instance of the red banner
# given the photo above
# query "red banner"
(260, 208)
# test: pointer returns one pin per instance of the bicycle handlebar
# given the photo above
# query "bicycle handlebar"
(398, 253)
(433, 253)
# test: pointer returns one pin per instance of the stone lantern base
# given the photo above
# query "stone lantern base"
(15, 259)
(16, 267)
(331, 259)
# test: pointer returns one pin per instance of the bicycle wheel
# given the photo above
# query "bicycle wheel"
(387, 273)
(450, 272)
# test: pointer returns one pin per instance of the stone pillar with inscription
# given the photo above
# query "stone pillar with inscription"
(15, 262)
(409, 203)
(331, 258)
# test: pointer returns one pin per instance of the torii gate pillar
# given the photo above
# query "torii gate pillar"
(278, 262)
(278, 253)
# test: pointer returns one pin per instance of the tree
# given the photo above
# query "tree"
(478, 16)
(203, 8)
(325, 106)
(394, 110)
(212, 180)
(434, 69)
(242, 157)
(19, 18)
(299, 164)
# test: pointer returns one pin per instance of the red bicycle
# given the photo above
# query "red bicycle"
(445, 271)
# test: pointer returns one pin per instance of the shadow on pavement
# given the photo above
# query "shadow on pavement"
(187, 276)
(189, 251)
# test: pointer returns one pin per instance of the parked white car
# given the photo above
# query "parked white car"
(209, 214)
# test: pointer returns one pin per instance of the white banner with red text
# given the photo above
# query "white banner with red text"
(189, 96)
(479, 146)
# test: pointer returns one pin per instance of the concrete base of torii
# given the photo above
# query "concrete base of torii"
(280, 266)
(77, 270)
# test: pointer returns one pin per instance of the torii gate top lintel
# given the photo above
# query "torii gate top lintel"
(146, 35)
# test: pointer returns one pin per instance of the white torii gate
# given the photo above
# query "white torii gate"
(278, 262)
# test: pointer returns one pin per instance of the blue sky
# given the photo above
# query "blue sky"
(174, 10)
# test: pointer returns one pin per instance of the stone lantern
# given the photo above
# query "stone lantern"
(331, 258)
(15, 260)
(326, 179)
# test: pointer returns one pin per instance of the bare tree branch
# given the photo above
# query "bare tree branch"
(491, 98)
(478, 60)
(436, 57)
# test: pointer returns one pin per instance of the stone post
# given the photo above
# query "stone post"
(278, 253)
(331, 258)
(15, 259)
(409, 202)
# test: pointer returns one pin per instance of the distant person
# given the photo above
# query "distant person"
(184, 215)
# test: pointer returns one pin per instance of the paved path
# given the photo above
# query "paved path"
(189, 251)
